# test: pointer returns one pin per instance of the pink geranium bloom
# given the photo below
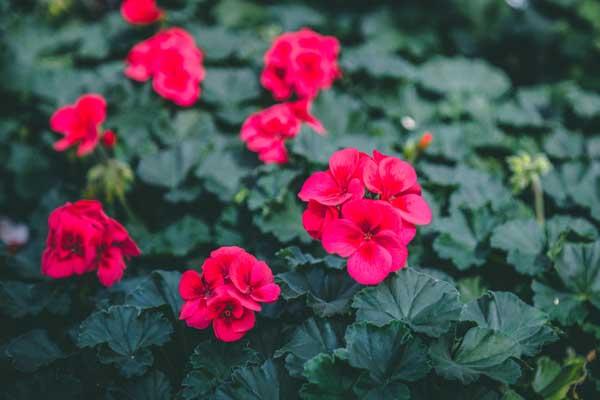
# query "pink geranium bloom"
(141, 12)
(231, 320)
(301, 63)
(82, 238)
(196, 291)
(265, 132)
(316, 217)
(252, 282)
(395, 181)
(216, 267)
(230, 288)
(174, 62)
(369, 235)
(80, 123)
(342, 182)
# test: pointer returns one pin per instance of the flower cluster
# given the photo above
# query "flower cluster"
(365, 209)
(301, 63)
(265, 132)
(227, 292)
(141, 12)
(173, 61)
(81, 124)
(81, 239)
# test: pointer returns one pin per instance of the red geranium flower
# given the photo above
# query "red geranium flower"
(80, 123)
(316, 216)
(252, 282)
(368, 234)
(266, 131)
(231, 320)
(342, 182)
(109, 139)
(141, 12)
(196, 291)
(396, 182)
(302, 62)
(231, 287)
(82, 238)
(174, 62)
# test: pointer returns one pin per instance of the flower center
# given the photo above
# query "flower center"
(368, 235)
(72, 243)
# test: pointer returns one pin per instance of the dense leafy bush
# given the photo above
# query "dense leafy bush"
(501, 296)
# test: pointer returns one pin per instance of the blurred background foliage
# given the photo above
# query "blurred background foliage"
(489, 79)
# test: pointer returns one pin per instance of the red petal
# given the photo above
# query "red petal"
(322, 187)
(267, 293)
(245, 323)
(371, 177)
(413, 208)
(396, 175)
(190, 285)
(366, 214)
(343, 165)
(393, 244)
(240, 272)
(342, 237)
(91, 108)
(63, 119)
(370, 264)
(245, 300)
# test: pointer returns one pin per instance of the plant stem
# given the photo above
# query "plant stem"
(538, 195)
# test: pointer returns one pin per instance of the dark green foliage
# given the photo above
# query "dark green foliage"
(500, 307)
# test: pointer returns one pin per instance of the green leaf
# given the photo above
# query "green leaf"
(389, 354)
(463, 236)
(181, 237)
(564, 145)
(524, 242)
(18, 299)
(553, 381)
(32, 350)
(426, 304)
(377, 62)
(223, 169)
(283, 220)
(482, 351)
(271, 187)
(157, 289)
(153, 386)
(462, 75)
(564, 307)
(327, 292)
(49, 384)
(230, 86)
(471, 288)
(365, 389)
(169, 168)
(295, 258)
(506, 313)
(578, 266)
(128, 333)
(313, 337)
(254, 383)
(329, 378)
(212, 364)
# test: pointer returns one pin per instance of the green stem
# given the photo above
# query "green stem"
(538, 194)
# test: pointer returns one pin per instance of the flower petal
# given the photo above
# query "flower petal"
(413, 208)
(370, 264)
(267, 293)
(396, 175)
(393, 244)
(190, 285)
(343, 165)
(322, 187)
(342, 237)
